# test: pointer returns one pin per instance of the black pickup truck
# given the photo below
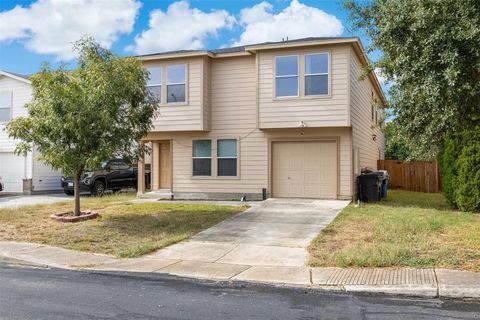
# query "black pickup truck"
(113, 175)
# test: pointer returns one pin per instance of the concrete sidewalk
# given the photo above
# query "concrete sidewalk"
(396, 281)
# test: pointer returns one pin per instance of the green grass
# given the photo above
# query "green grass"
(410, 229)
(124, 229)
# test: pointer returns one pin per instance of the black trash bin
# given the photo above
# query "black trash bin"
(369, 187)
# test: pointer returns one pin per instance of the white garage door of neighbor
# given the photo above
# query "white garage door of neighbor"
(304, 169)
(11, 171)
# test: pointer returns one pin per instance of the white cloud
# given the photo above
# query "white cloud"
(51, 26)
(295, 21)
(180, 27)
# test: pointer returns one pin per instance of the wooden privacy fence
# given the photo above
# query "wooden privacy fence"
(422, 176)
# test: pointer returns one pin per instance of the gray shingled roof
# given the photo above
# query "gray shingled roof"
(242, 48)
(18, 74)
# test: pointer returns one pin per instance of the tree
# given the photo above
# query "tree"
(459, 160)
(396, 148)
(79, 118)
(431, 55)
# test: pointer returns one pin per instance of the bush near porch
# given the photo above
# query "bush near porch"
(409, 229)
(124, 229)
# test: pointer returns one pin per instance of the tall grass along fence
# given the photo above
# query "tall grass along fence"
(422, 176)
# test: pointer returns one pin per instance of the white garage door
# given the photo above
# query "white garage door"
(304, 169)
(11, 171)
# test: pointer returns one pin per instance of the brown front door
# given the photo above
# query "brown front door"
(165, 163)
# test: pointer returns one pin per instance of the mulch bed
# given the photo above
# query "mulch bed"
(70, 217)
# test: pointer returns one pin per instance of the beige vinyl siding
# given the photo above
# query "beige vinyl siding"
(186, 116)
(322, 111)
(363, 127)
(206, 94)
(233, 115)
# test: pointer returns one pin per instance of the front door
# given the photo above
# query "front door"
(165, 165)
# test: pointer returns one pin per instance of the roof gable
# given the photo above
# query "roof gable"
(15, 76)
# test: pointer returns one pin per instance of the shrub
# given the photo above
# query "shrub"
(459, 161)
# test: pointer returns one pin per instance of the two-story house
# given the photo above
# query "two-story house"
(20, 173)
(282, 119)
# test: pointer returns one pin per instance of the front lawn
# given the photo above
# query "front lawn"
(410, 229)
(124, 229)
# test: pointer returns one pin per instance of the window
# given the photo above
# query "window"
(316, 74)
(5, 106)
(154, 82)
(227, 157)
(176, 83)
(286, 76)
(119, 165)
(202, 157)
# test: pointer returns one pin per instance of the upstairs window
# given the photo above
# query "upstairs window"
(286, 76)
(176, 75)
(316, 74)
(227, 157)
(202, 157)
(5, 106)
(154, 83)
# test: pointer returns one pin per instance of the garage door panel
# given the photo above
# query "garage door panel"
(12, 171)
(296, 189)
(304, 169)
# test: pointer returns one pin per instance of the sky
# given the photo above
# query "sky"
(35, 31)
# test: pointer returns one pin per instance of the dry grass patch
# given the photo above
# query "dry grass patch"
(124, 229)
(410, 229)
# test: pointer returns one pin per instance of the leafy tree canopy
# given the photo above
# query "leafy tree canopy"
(431, 56)
(81, 117)
(396, 147)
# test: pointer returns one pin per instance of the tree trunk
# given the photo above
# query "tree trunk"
(76, 190)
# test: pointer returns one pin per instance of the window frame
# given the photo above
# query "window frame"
(157, 84)
(305, 74)
(286, 76)
(220, 158)
(211, 159)
(10, 93)
(173, 84)
(214, 165)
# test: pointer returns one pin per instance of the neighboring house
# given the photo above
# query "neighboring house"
(284, 119)
(20, 173)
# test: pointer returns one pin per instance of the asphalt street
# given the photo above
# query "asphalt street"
(30, 293)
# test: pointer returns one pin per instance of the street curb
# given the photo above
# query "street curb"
(445, 283)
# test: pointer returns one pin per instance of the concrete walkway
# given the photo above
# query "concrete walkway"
(275, 232)
(396, 281)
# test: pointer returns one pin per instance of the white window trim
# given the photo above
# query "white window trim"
(176, 83)
(10, 107)
(287, 76)
(218, 157)
(305, 74)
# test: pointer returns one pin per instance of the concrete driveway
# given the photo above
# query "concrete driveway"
(275, 232)
(15, 201)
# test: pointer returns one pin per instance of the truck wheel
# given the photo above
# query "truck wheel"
(69, 192)
(98, 188)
